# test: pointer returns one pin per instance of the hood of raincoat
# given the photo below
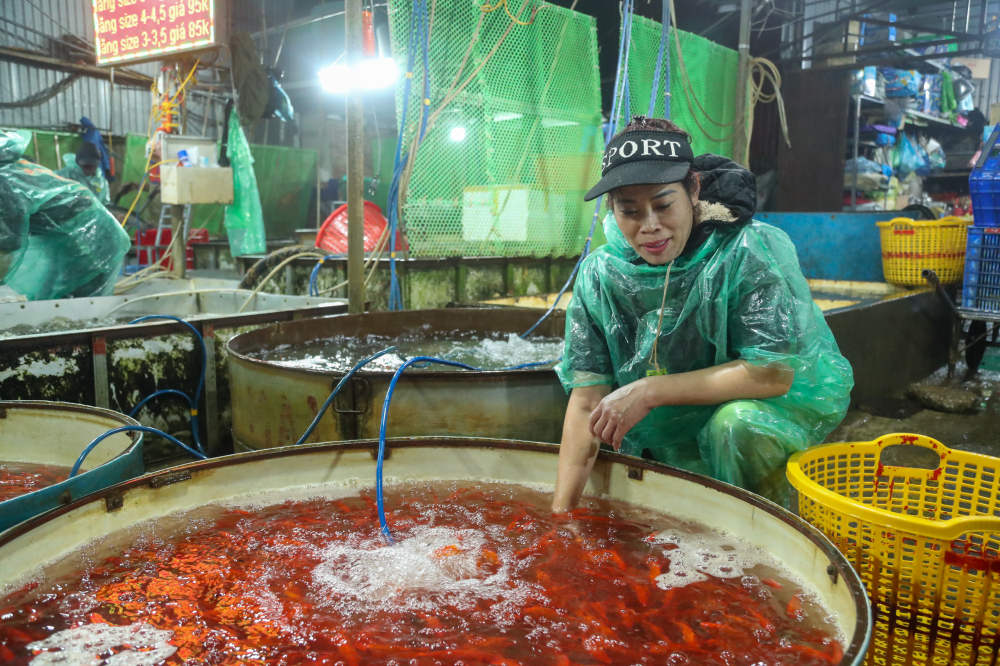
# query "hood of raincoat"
(13, 145)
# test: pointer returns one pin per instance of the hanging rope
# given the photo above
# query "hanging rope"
(761, 70)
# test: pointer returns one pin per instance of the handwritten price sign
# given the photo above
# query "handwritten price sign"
(130, 30)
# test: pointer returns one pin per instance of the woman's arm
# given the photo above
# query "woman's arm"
(579, 446)
(737, 380)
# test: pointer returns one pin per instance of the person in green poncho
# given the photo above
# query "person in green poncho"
(692, 337)
(85, 168)
(56, 238)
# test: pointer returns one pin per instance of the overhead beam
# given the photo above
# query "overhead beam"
(123, 77)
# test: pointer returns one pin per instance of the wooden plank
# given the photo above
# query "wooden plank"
(811, 172)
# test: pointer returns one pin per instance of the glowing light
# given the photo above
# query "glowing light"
(457, 134)
(370, 74)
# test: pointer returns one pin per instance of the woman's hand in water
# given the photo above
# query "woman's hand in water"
(619, 412)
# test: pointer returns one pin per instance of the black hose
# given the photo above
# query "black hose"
(260, 269)
(933, 280)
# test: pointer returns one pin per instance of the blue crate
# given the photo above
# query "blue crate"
(984, 183)
(981, 289)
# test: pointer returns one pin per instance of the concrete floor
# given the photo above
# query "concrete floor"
(978, 432)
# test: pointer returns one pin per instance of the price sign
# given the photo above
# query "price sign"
(133, 30)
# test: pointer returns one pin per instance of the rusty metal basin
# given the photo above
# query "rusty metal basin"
(296, 472)
(273, 404)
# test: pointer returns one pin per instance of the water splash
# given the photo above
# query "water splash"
(137, 644)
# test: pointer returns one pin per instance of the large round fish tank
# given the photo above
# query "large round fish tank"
(273, 404)
(39, 433)
(311, 470)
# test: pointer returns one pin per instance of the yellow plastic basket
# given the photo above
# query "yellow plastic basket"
(925, 542)
(909, 246)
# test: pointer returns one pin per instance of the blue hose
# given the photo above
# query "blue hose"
(313, 287)
(131, 428)
(192, 404)
(423, 361)
(336, 390)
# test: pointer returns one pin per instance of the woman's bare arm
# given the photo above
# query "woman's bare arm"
(579, 446)
(737, 380)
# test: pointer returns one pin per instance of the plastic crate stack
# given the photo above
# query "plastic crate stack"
(981, 290)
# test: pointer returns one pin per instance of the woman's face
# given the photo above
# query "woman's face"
(656, 219)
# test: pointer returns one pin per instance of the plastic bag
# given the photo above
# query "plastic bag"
(740, 295)
(244, 217)
(912, 158)
(901, 82)
(58, 240)
(97, 184)
(936, 159)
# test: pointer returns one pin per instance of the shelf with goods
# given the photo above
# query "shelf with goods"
(949, 180)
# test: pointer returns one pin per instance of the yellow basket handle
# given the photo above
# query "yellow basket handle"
(897, 439)
(945, 530)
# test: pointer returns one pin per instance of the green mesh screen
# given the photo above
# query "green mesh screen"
(711, 70)
(530, 116)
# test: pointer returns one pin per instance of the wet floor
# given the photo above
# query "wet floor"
(901, 412)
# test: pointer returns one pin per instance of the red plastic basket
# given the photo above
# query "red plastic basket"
(148, 239)
(332, 236)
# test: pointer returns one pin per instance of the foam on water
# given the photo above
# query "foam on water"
(340, 353)
(136, 644)
(698, 556)
(425, 569)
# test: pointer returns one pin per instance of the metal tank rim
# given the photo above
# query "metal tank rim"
(530, 316)
(839, 567)
(53, 405)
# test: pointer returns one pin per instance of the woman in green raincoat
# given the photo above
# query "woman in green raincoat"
(692, 336)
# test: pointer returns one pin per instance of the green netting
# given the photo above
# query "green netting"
(504, 168)
(711, 70)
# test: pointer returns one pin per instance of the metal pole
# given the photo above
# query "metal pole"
(355, 166)
(177, 253)
(740, 138)
(857, 127)
(666, 60)
(111, 113)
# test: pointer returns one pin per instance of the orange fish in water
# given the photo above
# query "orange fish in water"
(447, 551)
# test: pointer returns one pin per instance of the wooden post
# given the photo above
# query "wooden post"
(355, 166)
(178, 254)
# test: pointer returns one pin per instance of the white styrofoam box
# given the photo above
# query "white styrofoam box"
(204, 147)
(191, 185)
(511, 213)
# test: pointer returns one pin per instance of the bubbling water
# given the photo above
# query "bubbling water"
(130, 645)
(695, 557)
(340, 353)
(481, 574)
(20, 478)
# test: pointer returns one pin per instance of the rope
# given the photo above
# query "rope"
(659, 322)
(487, 8)
(272, 274)
(767, 71)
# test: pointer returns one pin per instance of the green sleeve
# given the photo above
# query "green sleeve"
(586, 358)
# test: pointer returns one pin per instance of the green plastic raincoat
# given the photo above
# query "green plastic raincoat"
(56, 239)
(97, 184)
(736, 292)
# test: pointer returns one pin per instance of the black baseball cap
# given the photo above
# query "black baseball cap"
(88, 154)
(642, 157)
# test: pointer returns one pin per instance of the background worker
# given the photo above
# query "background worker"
(56, 238)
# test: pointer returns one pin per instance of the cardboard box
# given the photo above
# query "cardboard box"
(196, 185)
